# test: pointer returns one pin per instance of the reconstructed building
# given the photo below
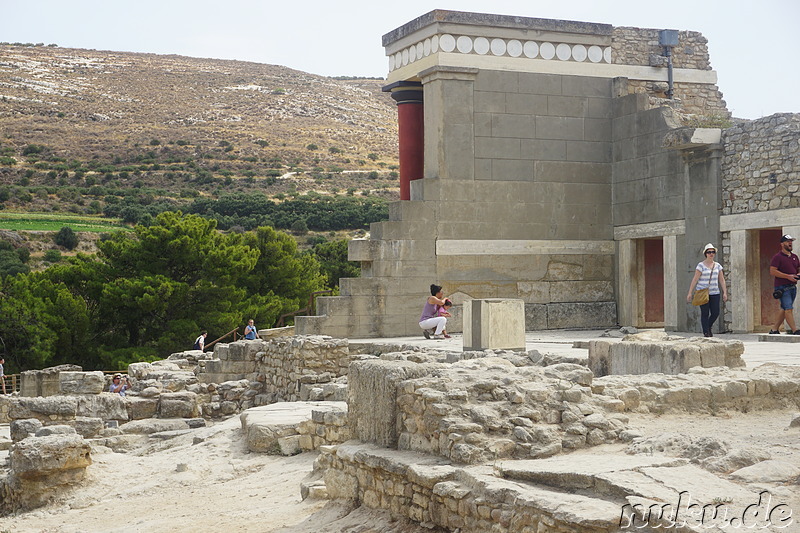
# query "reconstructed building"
(579, 167)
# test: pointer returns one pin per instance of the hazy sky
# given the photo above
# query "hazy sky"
(750, 41)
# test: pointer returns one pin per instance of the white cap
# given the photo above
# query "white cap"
(708, 246)
(787, 238)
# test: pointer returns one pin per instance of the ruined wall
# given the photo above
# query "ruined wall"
(639, 46)
(761, 165)
(291, 367)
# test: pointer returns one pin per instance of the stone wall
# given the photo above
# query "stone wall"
(637, 46)
(436, 494)
(761, 165)
(290, 367)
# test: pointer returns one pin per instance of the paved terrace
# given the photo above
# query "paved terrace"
(760, 348)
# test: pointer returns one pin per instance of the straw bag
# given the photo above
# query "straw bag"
(701, 295)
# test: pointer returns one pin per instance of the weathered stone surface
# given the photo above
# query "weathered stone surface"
(265, 426)
(178, 405)
(44, 409)
(154, 425)
(81, 382)
(105, 405)
(23, 428)
(38, 457)
(139, 408)
(88, 427)
(771, 471)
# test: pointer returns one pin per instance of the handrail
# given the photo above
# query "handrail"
(14, 380)
(280, 323)
(212, 343)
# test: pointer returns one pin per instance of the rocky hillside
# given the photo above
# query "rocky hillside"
(175, 127)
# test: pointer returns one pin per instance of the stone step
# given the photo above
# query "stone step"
(766, 337)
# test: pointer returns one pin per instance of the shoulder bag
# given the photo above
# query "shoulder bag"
(701, 295)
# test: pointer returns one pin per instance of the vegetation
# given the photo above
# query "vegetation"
(147, 293)
(66, 237)
(54, 222)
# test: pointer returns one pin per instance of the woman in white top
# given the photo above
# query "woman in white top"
(708, 275)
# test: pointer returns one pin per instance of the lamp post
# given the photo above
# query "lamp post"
(668, 39)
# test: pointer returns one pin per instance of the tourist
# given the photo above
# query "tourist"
(118, 385)
(250, 330)
(2, 374)
(430, 319)
(443, 310)
(200, 342)
(708, 276)
(785, 268)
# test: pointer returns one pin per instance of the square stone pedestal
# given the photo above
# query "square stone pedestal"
(494, 324)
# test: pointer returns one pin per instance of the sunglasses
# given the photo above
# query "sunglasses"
(711, 252)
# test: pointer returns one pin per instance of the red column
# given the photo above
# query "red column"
(411, 128)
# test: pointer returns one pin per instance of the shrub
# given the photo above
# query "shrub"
(66, 237)
(32, 149)
(335, 150)
(372, 156)
(52, 256)
(373, 175)
(312, 147)
(8, 161)
(154, 142)
(299, 227)
(262, 143)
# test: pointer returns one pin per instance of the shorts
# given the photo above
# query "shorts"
(789, 294)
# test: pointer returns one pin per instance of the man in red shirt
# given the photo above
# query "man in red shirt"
(785, 267)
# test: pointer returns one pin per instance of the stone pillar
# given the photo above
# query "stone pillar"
(494, 324)
(673, 297)
(743, 276)
(627, 284)
(411, 130)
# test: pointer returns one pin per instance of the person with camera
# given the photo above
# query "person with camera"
(118, 385)
(785, 267)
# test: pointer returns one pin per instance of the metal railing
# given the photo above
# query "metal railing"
(310, 307)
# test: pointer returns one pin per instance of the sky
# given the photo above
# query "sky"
(750, 42)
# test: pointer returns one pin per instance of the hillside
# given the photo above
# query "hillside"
(83, 127)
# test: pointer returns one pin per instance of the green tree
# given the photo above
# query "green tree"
(332, 257)
(66, 237)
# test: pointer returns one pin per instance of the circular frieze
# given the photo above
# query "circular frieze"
(595, 54)
(412, 54)
(514, 48)
(391, 62)
(447, 42)
(547, 50)
(607, 54)
(531, 49)
(419, 50)
(405, 57)
(426, 48)
(481, 45)
(464, 44)
(563, 52)
(498, 47)
(579, 52)
(434, 44)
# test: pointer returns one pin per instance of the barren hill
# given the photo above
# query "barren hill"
(84, 117)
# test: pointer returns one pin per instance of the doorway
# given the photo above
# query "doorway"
(651, 256)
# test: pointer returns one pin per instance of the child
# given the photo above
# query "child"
(441, 310)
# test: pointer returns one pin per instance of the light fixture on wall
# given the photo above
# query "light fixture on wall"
(668, 39)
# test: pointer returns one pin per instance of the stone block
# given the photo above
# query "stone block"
(494, 324)
(44, 409)
(106, 405)
(140, 408)
(88, 427)
(581, 315)
(178, 405)
(81, 382)
(36, 457)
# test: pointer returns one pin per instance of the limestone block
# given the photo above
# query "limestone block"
(581, 315)
(139, 407)
(38, 457)
(23, 428)
(341, 485)
(494, 324)
(139, 370)
(154, 425)
(81, 382)
(88, 427)
(289, 445)
(44, 409)
(178, 405)
(106, 405)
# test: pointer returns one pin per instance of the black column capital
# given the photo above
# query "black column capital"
(405, 92)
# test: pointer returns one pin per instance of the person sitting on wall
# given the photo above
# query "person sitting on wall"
(119, 385)
(430, 319)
